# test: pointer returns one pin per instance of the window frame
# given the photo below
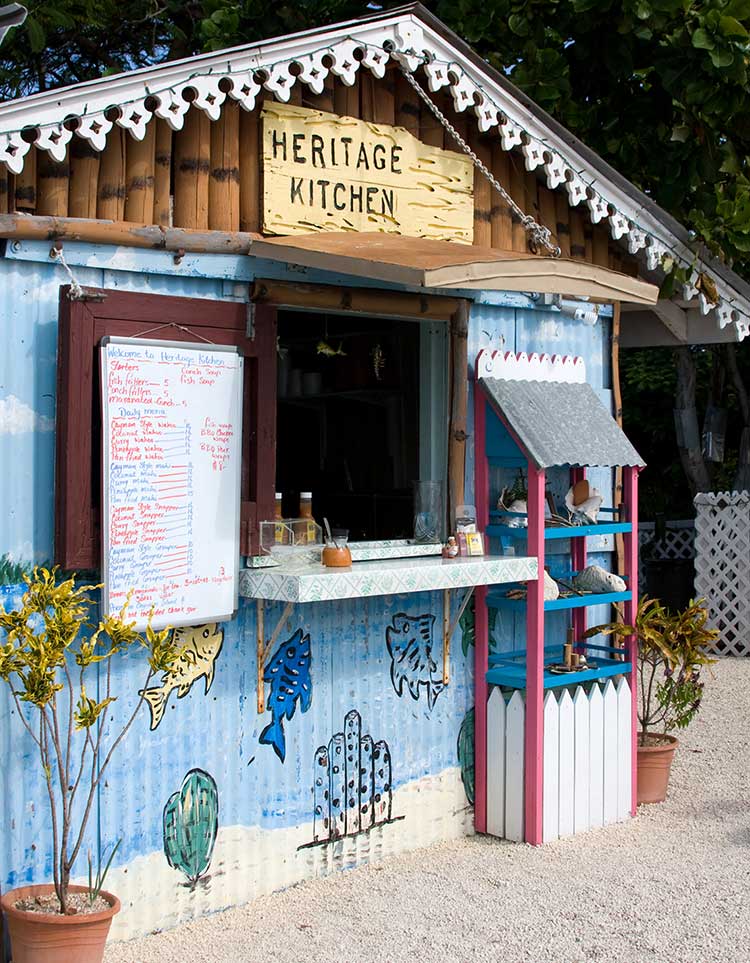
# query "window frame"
(82, 325)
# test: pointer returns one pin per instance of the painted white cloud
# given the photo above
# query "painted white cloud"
(17, 418)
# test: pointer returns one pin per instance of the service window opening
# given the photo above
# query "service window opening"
(362, 414)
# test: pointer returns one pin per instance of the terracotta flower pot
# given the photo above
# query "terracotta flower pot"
(52, 938)
(654, 766)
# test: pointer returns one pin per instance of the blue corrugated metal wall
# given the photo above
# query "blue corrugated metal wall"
(265, 806)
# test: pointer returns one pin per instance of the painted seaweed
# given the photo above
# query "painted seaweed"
(465, 751)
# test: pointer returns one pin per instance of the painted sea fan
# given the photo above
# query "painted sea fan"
(191, 820)
(465, 750)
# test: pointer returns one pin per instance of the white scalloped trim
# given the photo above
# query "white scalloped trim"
(512, 366)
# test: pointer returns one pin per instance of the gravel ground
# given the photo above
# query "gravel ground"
(671, 886)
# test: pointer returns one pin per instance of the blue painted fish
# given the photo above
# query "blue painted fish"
(200, 646)
(409, 641)
(288, 673)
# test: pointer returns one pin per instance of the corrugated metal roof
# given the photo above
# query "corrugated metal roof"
(560, 424)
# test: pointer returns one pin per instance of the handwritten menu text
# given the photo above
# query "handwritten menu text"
(172, 452)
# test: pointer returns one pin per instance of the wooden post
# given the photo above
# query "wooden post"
(162, 173)
(430, 129)
(4, 201)
(534, 735)
(295, 93)
(346, 99)
(562, 214)
(547, 211)
(192, 150)
(517, 190)
(52, 185)
(224, 181)
(139, 177)
(481, 622)
(384, 101)
(366, 94)
(482, 191)
(617, 401)
(250, 150)
(407, 105)
(25, 189)
(577, 239)
(84, 178)
(459, 382)
(500, 217)
(629, 613)
(110, 203)
(600, 245)
(578, 560)
(531, 185)
(321, 101)
(588, 242)
(459, 121)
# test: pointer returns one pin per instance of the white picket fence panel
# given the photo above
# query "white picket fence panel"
(722, 566)
(587, 760)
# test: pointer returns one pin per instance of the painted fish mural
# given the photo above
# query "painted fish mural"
(465, 750)
(288, 673)
(409, 642)
(190, 823)
(200, 645)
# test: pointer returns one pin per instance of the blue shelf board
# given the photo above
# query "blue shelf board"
(513, 675)
(578, 531)
(495, 600)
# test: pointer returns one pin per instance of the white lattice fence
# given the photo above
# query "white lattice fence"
(722, 566)
(677, 542)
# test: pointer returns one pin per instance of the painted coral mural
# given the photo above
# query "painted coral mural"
(353, 784)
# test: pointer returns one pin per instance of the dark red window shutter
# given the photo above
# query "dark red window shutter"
(82, 325)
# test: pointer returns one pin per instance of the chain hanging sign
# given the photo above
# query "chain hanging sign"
(322, 172)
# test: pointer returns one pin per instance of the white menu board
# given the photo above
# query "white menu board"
(171, 456)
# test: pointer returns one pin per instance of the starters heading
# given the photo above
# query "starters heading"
(322, 172)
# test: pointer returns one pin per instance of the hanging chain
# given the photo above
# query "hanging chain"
(76, 291)
(539, 235)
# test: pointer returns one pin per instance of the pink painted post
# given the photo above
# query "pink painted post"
(630, 493)
(578, 560)
(534, 735)
(481, 627)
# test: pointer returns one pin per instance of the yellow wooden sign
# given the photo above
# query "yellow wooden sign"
(322, 172)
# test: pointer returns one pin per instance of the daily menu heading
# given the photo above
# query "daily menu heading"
(172, 453)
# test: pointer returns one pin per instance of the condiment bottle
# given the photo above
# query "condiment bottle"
(305, 513)
(278, 530)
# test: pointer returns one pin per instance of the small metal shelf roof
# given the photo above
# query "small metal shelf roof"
(559, 423)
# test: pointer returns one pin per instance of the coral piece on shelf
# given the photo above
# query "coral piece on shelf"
(551, 588)
(585, 512)
(596, 579)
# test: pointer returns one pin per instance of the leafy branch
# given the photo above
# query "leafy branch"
(43, 640)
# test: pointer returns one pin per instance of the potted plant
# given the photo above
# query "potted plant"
(47, 652)
(672, 650)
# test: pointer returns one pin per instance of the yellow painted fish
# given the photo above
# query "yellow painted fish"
(325, 349)
(200, 646)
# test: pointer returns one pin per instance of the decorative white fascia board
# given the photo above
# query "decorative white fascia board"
(314, 54)
(520, 366)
